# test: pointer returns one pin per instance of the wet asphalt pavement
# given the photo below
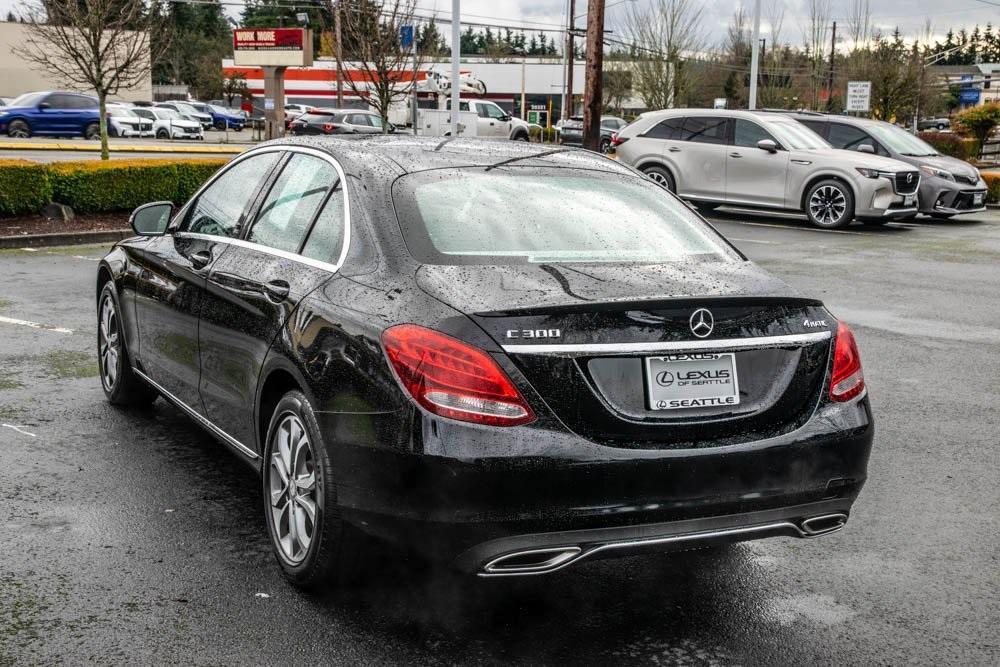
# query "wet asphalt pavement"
(133, 537)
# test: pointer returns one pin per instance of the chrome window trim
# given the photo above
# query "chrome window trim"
(202, 420)
(277, 148)
(572, 350)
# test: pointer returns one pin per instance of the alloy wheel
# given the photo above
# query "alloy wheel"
(828, 205)
(109, 344)
(658, 178)
(18, 130)
(293, 488)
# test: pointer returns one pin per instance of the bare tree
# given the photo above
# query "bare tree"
(663, 34)
(816, 32)
(859, 23)
(99, 45)
(372, 29)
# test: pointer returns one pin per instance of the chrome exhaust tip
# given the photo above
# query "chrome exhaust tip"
(824, 524)
(533, 561)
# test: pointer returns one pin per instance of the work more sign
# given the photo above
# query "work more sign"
(272, 46)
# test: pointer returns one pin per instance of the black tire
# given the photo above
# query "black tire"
(661, 177)
(605, 146)
(19, 129)
(942, 216)
(332, 556)
(162, 134)
(220, 125)
(120, 383)
(941, 126)
(92, 131)
(829, 204)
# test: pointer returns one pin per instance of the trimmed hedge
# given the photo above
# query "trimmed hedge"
(24, 187)
(948, 143)
(109, 185)
(993, 185)
(98, 186)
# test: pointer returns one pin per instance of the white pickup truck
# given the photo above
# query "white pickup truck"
(490, 121)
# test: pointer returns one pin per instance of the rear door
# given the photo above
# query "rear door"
(173, 273)
(291, 248)
(755, 176)
(702, 158)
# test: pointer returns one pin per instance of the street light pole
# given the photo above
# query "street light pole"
(569, 59)
(340, 58)
(755, 56)
(595, 69)
(456, 55)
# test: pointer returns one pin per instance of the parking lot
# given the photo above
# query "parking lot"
(135, 537)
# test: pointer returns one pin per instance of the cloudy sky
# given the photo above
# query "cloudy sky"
(909, 15)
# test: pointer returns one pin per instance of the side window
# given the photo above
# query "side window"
(327, 235)
(483, 110)
(705, 129)
(748, 133)
(291, 204)
(668, 129)
(816, 126)
(375, 121)
(81, 102)
(220, 207)
(848, 137)
(58, 101)
(493, 111)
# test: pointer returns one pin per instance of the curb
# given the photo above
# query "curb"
(128, 148)
(62, 238)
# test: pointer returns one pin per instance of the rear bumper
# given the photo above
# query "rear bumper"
(476, 495)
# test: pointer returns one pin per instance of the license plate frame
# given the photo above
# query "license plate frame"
(691, 381)
(909, 200)
(978, 198)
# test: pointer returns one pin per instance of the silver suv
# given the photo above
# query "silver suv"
(766, 160)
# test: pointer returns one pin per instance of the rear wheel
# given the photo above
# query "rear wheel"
(162, 134)
(314, 546)
(660, 176)
(18, 129)
(220, 125)
(92, 131)
(605, 145)
(830, 204)
(121, 385)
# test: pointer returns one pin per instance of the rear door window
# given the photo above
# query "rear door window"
(706, 130)
(326, 238)
(819, 127)
(848, 137)
(291, 205)
(667, 129)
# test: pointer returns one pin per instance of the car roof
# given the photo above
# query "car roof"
(412, 154)
(829, 117)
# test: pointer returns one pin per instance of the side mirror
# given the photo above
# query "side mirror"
(866, 148)
(505, 118)
(151, 219)
(42, 106)
(767, 145)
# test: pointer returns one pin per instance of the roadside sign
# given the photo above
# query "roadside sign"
(272, 46)
(968, 96)
(859, 96)
(406, 36)
(720, 103)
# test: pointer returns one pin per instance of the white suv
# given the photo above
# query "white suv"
(766, 160)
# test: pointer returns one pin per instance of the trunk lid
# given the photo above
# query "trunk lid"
(592, 339)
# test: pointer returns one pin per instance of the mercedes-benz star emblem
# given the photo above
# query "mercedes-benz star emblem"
(702, 322)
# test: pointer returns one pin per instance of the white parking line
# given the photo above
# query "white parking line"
(33, 325)
(733, 238)
(18, 429)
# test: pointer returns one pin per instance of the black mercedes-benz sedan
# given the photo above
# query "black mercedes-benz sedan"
(505, 357)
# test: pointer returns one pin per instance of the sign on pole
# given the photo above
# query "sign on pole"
(859, 96)
(406, 36)
(279, 47)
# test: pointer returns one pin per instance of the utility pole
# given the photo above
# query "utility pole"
(340, 57)
(570, 47)
(833, 63)
(755, 56)
(592, 93)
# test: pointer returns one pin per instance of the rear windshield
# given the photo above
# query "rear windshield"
(317, 117)
(523, 215)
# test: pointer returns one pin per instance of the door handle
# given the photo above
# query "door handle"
(736, 155)
(200, 259)
(674, 149)
(277, 290)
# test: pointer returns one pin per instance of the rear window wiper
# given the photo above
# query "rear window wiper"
(527, 157)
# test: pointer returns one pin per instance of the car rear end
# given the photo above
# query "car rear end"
(607, 390)
(571, 132)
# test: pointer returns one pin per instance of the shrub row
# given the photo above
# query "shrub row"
(951, 144)
(98, 186)
(993, 185)
(24, 187)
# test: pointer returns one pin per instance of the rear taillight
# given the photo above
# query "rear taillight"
(617, 139)
(454, 379)
(847, 380)
(329, 127)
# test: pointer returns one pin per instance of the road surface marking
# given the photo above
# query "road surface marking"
(19, 430)
(733, 238)
(33, 325)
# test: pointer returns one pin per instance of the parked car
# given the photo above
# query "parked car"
(571, 131)
(492, 120)
(934, 124)
(768, 161)
(123, 121)
(168, 124)
(949, 186)
(298, 109)
(222, 118)
(54, 114)
(407, 344)
(337, 121)
(189, 112)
